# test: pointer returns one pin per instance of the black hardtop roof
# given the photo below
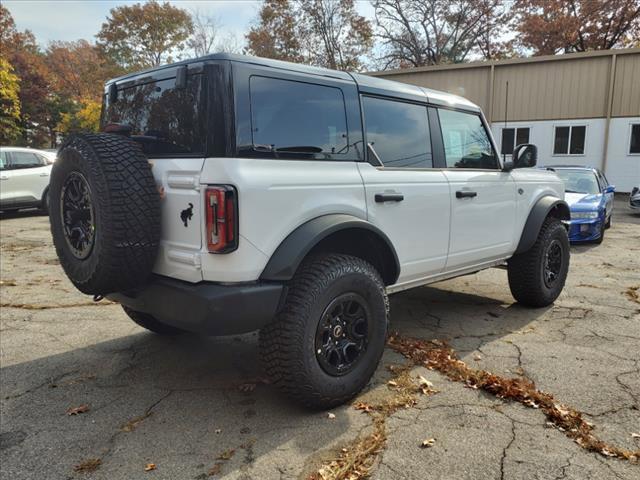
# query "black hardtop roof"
(365, 83)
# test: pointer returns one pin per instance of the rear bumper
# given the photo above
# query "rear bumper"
(206, 308)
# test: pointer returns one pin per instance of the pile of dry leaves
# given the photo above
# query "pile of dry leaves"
(437, 355)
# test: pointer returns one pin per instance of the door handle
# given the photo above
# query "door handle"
(466, 194)
(388, 197)
(44, 174)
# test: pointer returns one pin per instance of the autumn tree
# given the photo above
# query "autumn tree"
(145, 35)
(276, 33)
(208, 36)
(9, 103)
(22, 52)
(327, 33)
(565, 26)
(415, 33)
(79, 70)
(344, 37)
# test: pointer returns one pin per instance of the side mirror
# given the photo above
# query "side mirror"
(609, 189)
(525, 155)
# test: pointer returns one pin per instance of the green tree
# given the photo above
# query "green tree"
(145, 35)
(9, 103)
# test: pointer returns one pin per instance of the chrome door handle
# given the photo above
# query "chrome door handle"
(44, 174)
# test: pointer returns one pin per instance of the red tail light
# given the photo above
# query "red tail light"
(222, 218)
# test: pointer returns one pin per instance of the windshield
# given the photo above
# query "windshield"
(579, 181)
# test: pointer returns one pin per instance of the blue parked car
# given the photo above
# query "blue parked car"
(590, 198)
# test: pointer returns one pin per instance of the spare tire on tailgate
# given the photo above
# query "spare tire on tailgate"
(105, 213)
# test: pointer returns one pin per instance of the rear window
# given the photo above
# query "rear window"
(165, 120)
(297, 117)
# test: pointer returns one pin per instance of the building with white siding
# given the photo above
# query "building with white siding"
(579, 109)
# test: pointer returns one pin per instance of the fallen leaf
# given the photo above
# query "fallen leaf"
(7, 283)
(89, 465)
(477, 358)
(132, 424)
(149, 467)
(365, 407)
(424, 381)
(216, 469)
(79, 409)
(331, 416)
(227, 454)
(635, 435)
(392, 383)
(218, 431)
(428, 443)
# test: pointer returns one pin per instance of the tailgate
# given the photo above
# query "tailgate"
(182, 217)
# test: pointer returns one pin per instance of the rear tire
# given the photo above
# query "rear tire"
(151, 323)
(537, 276)
(44, 204)
(332, 300)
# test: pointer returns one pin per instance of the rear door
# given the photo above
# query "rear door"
(27, 178)
(406, 197)
(483, 198)
(169, 122)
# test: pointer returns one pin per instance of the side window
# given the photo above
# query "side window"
(512, 137)
(634, 140)
(569, 140)
(295, 117)
(3, 160)
(24, 160)
(398, 132)
(466, 142)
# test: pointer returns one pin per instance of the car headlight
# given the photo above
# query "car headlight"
(583, 215)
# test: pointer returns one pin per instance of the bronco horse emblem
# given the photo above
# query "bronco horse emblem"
(186, 214)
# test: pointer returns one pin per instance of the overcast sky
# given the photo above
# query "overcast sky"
(72, 20)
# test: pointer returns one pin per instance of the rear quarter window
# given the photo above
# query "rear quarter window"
(292, 117)
(165, 120)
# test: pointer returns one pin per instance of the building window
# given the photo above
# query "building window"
(569, 140)
(512, 137)
(634, 141)
(398, 132)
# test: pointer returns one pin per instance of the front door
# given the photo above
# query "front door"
(406, 198)
(483, 198)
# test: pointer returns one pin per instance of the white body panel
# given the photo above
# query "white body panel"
(418, 226)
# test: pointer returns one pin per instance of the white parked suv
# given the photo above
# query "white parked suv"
(24, 178)
(230, 194)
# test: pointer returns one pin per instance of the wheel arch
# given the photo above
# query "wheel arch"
(547, 206)
(337, 233)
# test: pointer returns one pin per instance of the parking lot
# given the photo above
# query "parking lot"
(198, 408)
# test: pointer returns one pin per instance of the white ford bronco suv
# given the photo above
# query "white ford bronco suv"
(229, 194)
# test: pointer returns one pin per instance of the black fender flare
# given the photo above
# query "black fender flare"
(540, 211)
(287, 257)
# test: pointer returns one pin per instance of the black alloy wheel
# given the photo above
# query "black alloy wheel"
(78, 216)
(343, 334)
(552, 263)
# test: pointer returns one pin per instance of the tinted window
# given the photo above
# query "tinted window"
(398, 132)
(576, 147)
(466, 142)
(634, 142)
(290, 116)
(569, 140)
(165, 120)
(512, 137)
(24, 160)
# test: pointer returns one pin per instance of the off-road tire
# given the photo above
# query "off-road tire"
(526, 270)
(126, 206)
(287, 345)
(151, 323)
(44, 204)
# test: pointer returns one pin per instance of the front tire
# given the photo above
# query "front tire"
(151, 323)
(325, 344)
(537, 276)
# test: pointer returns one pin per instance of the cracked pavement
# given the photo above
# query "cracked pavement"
(182, 402)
